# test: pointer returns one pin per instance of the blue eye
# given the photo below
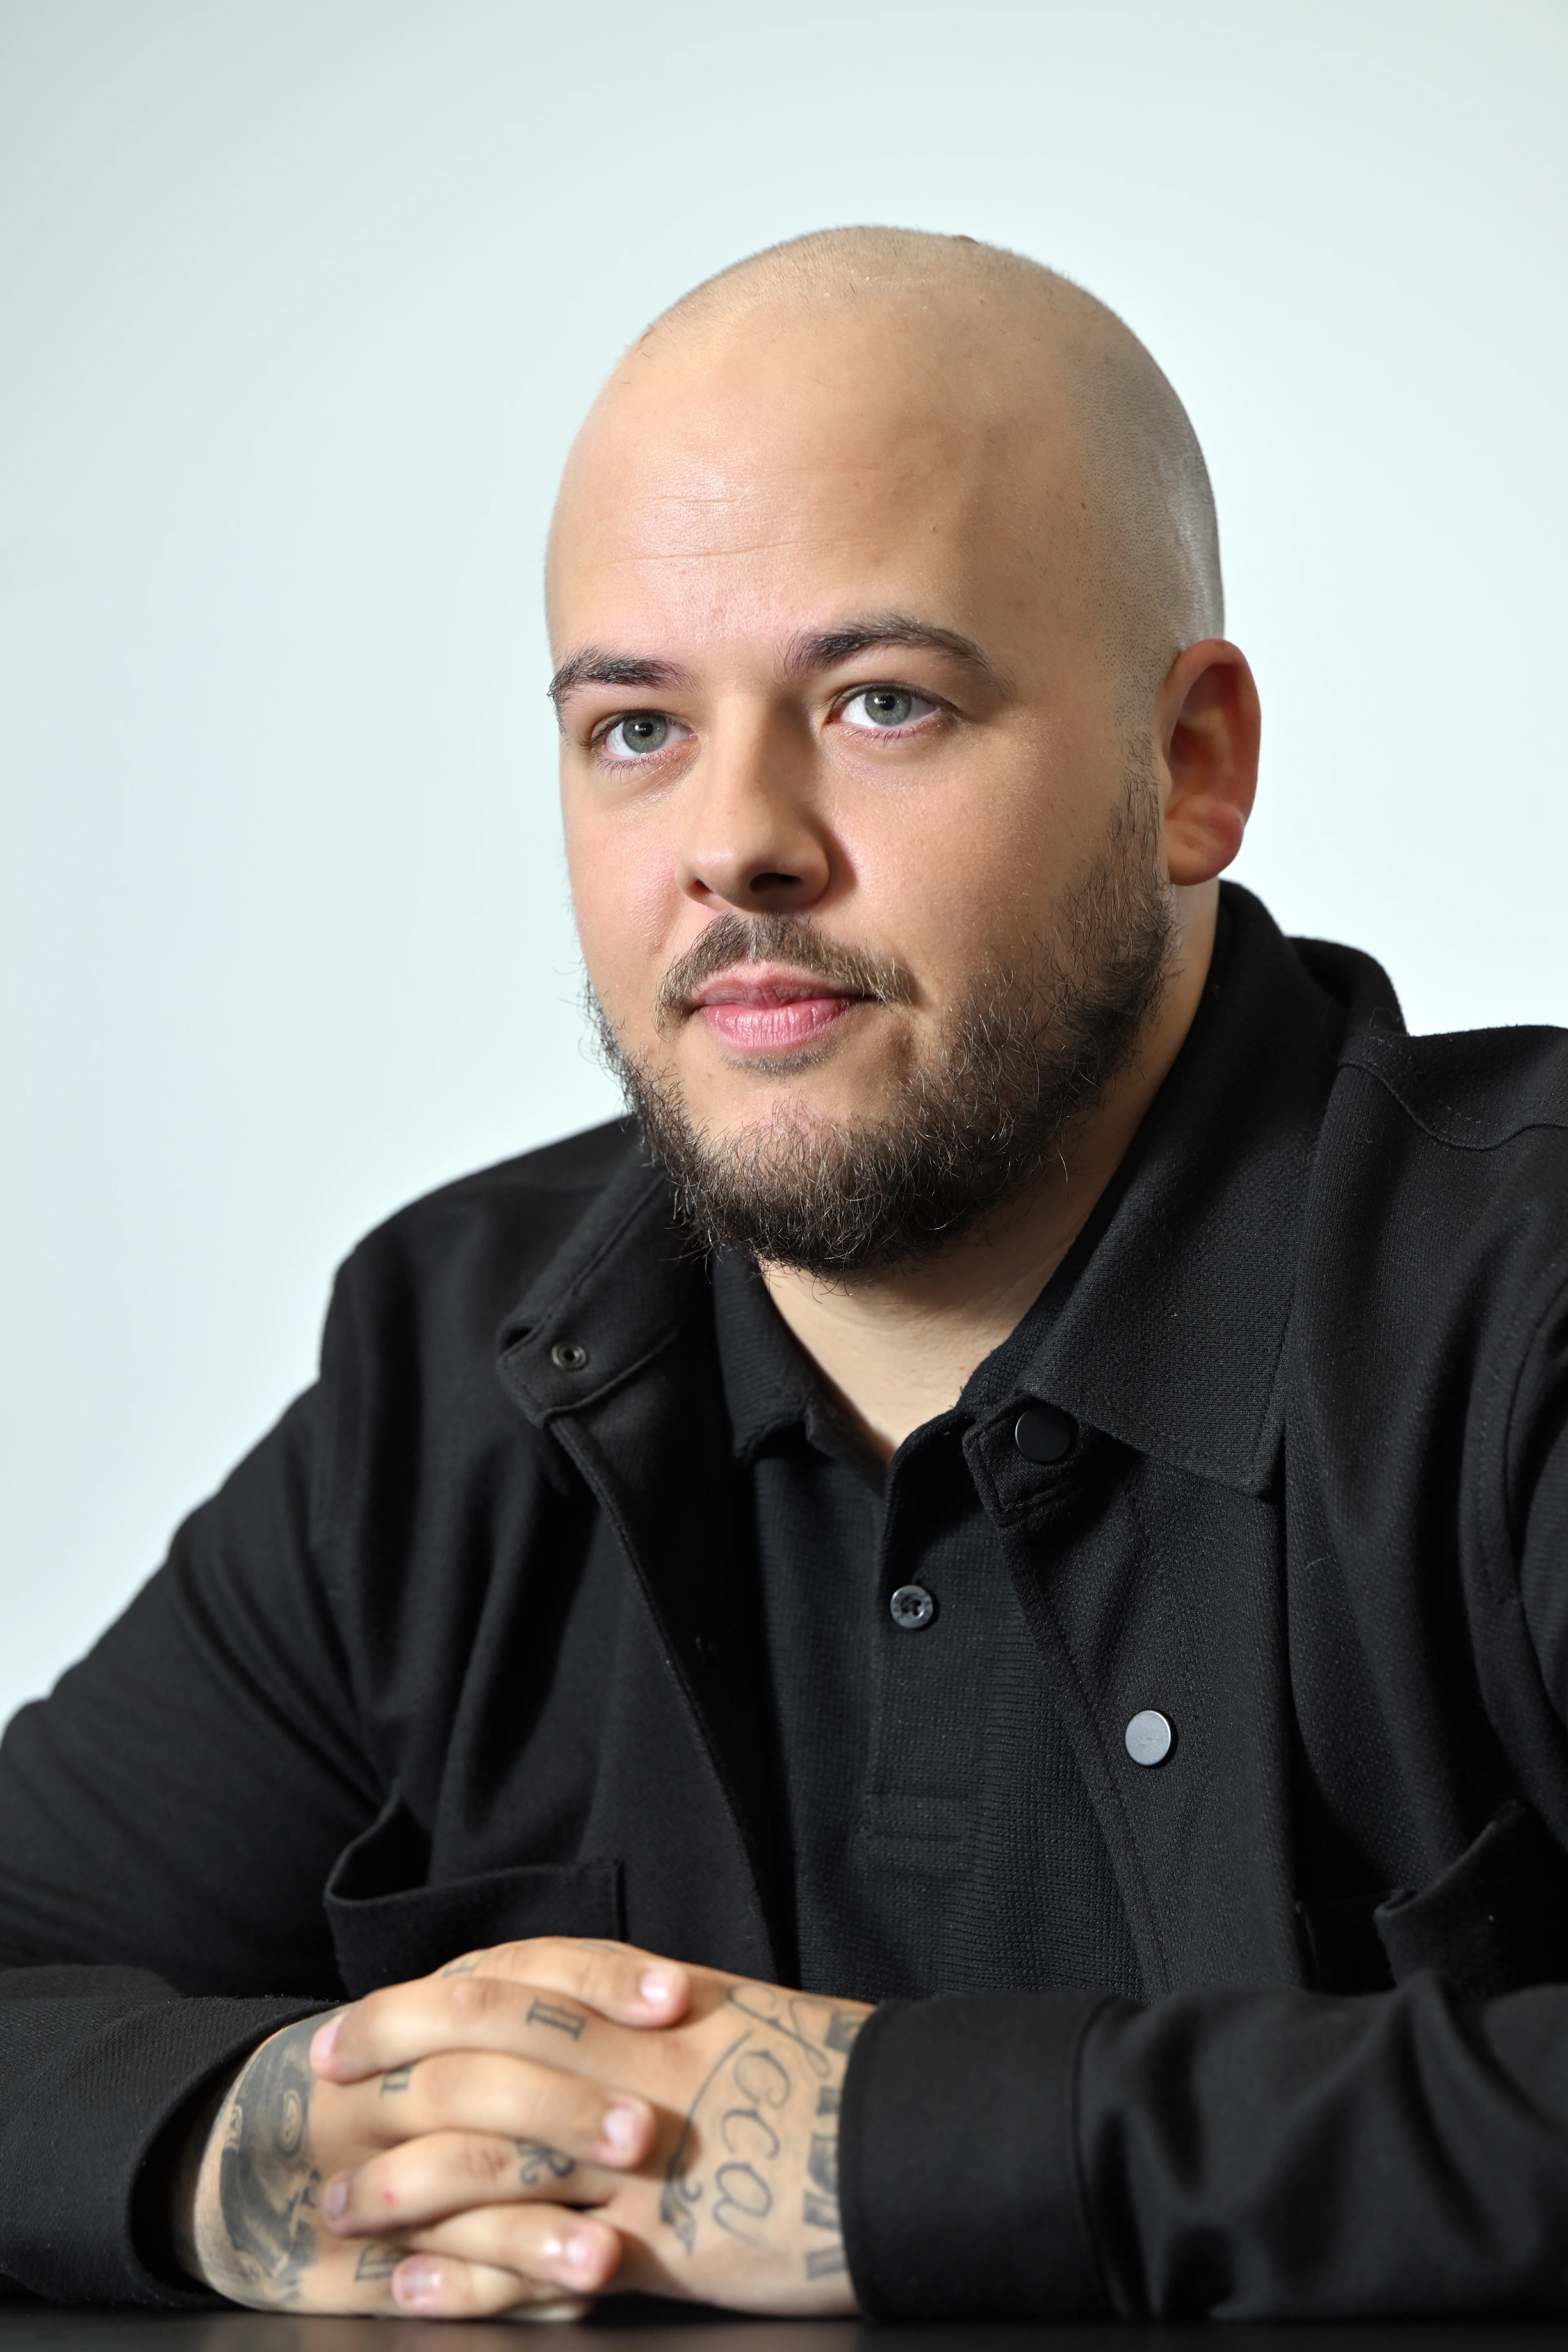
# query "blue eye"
(879, 708)
(638, 735)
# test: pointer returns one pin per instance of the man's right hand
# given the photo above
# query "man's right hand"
(247, 2218)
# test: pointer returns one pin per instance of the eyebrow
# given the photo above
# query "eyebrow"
(806, 652)
(591, 666)
(826, 648)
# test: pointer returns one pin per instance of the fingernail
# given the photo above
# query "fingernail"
(417, 2282)
(581, 2251)
(335, 2196)
(322, 2044)
(658, 1988)
(623, 2128)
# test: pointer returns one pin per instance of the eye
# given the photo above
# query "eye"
(639, 735)
(883, 709)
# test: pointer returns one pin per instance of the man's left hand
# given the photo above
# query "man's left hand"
(737, 2203)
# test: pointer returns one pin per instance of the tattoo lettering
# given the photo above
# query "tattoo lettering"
(682, 2192)
(396, 2080)
(267, 2183)
(842, 2029)
(468, 1967)
(377, 2260)
(564, 2020)
(740, 2142)
(743, 2197)
(535, 2162)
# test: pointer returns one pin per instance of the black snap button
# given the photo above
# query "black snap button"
(1043, 1434)
(569, 1356)
(912, 1607)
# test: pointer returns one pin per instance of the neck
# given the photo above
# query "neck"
(896, 1350)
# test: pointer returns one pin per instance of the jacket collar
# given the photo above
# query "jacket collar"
(1172, 1337)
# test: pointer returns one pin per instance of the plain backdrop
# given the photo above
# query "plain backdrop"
(299, 303)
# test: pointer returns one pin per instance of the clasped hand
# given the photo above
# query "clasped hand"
(509, 2133)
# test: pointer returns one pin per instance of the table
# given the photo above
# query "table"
(637, 2325)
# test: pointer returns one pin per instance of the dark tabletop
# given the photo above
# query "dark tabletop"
(636, 2325)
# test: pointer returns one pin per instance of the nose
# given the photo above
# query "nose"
(755, 841)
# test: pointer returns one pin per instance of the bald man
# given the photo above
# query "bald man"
(932, 1676)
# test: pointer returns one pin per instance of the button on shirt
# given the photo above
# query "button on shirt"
(938, 1831)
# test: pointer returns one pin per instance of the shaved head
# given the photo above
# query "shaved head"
(1023, 354)
(899, 751)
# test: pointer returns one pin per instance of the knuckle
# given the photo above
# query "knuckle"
(472, 1996)
(488, 2160)
(441, 2076)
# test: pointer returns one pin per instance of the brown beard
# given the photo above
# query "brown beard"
(1029, 1053)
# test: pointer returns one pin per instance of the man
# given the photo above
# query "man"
(1034, 1511)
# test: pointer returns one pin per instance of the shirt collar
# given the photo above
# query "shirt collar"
(1169, 1333)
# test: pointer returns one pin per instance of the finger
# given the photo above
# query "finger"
(492, 2094)
(428, 2287)
(631, 1986)
(556, 2251)
(446, 2172)
(534, 2241)
(404, 2022)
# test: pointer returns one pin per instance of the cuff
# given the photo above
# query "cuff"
(72, 2150)
(958, 2161)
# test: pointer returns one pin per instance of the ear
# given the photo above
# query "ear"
(1207, 725)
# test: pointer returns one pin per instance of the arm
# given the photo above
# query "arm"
(1234, 2154)
(166, 1820)
(1230, 2154)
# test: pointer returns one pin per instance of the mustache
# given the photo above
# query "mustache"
(731, 940)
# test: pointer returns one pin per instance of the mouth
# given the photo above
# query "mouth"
(769, 1010)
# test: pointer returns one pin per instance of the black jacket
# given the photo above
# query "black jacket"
(467, 1649)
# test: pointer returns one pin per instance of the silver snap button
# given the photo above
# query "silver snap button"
(912, 1607)
(569, 1356)
(1149, 1736)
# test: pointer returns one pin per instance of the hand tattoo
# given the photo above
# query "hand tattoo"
(267, 2183)
(791, 2052)
(535, 2162)
(553, 2013)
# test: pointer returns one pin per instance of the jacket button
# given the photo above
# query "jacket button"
(912, 1607)
(1149, 1736)
(1043, 1434)
(569, 1356)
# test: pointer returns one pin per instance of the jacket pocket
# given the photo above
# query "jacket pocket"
(388, 1923)
(1496, 1919)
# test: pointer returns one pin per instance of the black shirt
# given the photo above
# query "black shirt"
(938, 1834)
(465, 1653)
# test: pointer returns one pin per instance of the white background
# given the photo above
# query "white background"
(299, 302)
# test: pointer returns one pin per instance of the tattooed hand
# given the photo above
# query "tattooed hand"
(267, 2170)
(729, 2195)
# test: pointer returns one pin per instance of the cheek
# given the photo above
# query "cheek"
(954, 875)
(624, 904)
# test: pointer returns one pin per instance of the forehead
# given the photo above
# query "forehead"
(754, 490)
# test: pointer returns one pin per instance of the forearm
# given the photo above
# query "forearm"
(1234, 2155)
(97, 2065)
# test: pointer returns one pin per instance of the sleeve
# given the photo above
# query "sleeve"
(1254, 2155)
(96, 2064)
(168, 1818)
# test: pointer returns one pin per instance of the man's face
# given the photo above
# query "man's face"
(828, 656)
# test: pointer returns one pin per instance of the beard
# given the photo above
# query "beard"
(1026, 1056)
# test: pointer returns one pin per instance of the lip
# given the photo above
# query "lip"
(770, 1008)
